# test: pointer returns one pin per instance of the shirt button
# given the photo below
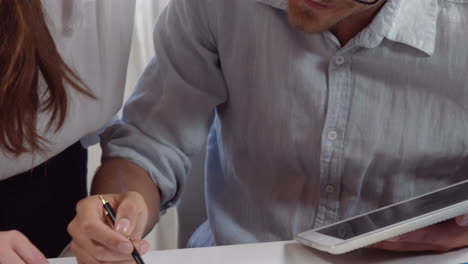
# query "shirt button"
(332, 135)
(340, 60)
(330, 188)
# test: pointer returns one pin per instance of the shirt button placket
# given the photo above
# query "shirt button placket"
(337, 73)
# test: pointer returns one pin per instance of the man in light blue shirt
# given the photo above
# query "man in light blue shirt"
(319, 110)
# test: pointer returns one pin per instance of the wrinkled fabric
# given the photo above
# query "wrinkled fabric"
(304, 131)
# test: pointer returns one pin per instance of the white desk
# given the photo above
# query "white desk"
(288, 253)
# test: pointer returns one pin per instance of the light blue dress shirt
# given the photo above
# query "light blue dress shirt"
(304, 131)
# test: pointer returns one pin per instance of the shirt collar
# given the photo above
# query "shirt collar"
(410, 22)
(413, 23)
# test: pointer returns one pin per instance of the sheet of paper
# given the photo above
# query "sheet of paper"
(288, 253)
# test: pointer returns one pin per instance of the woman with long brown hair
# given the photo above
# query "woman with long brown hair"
(62, 74)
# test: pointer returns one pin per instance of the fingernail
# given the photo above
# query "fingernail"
(463, 221)
(123, 225)
(125, 247)
(393, 239)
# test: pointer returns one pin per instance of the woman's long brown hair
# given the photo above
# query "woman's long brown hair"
(33, 77)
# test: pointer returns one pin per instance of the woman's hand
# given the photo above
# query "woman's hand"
(15, 248)
(95, 240)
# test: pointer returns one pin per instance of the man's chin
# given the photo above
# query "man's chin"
(309, 27)
(307, 23)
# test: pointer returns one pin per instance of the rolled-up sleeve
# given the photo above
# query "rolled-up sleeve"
(167, 118)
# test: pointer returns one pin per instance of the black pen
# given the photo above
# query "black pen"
(111, 214)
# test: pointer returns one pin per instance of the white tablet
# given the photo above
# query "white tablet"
(390, 221)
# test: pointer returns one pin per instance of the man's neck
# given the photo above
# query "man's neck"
(348, 28)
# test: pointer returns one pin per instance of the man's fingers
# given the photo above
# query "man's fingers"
(96, 241)
(102, 234)
(85, 257)
(410, 246)
(431, 234)
(100, 252)
(414, 236)
(82, 256)
(462, 220)
(90, 208)
(131, 213)
(441, 237)
(88, 226)
(141, 246)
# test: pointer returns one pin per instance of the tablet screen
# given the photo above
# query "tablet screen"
(399, 212)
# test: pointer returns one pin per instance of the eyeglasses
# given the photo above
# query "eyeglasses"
(367, 2)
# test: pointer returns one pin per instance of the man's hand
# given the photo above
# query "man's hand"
(16, 248)
(95, 240)
(440, 237)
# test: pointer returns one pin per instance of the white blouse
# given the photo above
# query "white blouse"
(94, 38)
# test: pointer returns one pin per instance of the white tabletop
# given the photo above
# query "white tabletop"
(288, 253)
